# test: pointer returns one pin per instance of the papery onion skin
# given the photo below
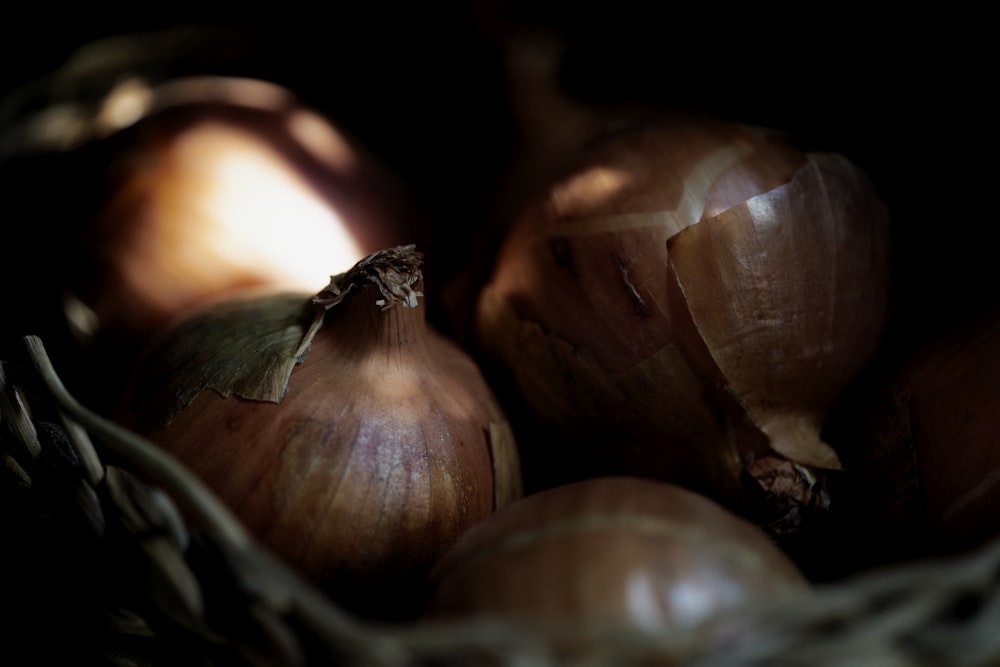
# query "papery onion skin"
(621, 549)
(386, 446)
(691, 297)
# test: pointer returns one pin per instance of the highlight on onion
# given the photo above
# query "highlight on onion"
(928, 450)
(216, 183)
(687, 302)
(350, 437)
(611, 549)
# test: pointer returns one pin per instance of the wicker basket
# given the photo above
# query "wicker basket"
(100, 561)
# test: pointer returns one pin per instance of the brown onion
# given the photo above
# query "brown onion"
(929, 454)
(689, 300)
(350, 437)
(217, 183)
(621, 549)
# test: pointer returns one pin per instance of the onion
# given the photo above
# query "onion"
(225, 183)
(348, 435)
(687, 302)
(620, 549)
(929, 454)
(199, 186)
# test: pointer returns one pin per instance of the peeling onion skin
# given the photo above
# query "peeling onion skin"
(620, 549)
(387, 446)
(692, 297)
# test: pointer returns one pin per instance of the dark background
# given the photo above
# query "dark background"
(905, 96)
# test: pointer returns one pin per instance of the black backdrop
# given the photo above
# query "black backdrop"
(906, 96)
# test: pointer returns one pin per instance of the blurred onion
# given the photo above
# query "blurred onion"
(929, 449)
(620, 549)
(216, 183)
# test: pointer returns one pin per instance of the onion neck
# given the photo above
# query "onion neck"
(378, 302)
(363, 328)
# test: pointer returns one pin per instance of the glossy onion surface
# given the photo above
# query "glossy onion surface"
(383, 448)
(611, 548)
(692, 296)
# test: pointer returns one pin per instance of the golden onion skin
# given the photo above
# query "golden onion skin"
(218, 184)
(387, 445)
(208, 197)
(687, 302)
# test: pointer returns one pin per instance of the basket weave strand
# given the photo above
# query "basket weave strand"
(115, 554)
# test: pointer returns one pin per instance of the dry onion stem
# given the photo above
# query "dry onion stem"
(692, 297)
(350, 437)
